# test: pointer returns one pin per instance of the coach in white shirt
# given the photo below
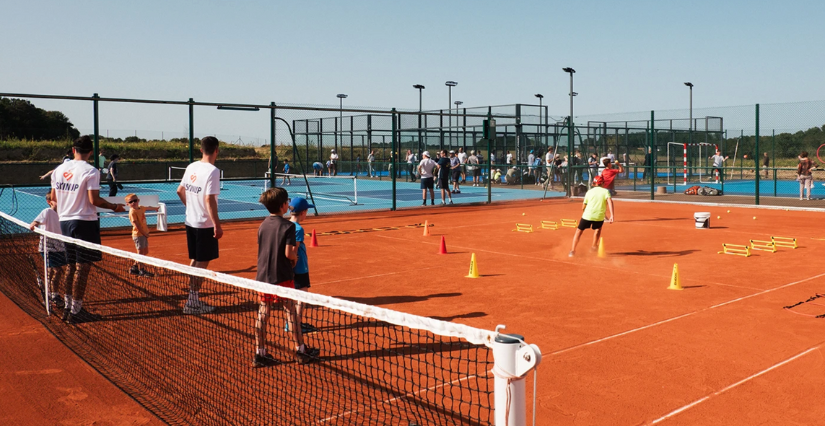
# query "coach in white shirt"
(76, 190)
(198, 191)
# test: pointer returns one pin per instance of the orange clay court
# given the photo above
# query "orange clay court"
(618, 346)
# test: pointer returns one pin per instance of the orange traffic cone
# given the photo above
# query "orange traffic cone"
(443, 249)
(426, 228)
(314, 241)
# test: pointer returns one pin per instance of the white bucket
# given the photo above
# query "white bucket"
(702, 220)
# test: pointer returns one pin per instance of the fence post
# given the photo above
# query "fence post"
(97, 131)
(756, 157)
(191, 129)
(393, 165)
(654, 157)
(272, 146)
(773, 157)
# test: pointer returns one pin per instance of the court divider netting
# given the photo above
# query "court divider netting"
(342, 189)
(375, 366)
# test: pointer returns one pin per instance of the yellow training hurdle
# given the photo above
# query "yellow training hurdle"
(736, 249)
(785, 242)
(569, 223)
(523, 227)
(763, 245)
(549, 224)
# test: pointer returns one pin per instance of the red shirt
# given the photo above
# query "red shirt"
(609, 175)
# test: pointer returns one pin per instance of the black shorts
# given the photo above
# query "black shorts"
(427, 183)
(86, 230)
(477, 172)
(57, 259)
(456, 175)
(301, 281)
(444, 181)
(586, 224)
(202, 244)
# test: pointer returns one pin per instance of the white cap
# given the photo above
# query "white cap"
(426, 154)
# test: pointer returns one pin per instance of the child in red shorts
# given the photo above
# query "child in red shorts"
(277, 255)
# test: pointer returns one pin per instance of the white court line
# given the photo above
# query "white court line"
(386, 401)
(686, 315)
(719, 392)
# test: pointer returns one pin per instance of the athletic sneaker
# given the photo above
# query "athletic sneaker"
(264, 361)
(451, 200)
(425, 203)
(432, 202)
(83, 316)
(58, 301)
(570, 254)
(134, 270)
(307, 356)
(145, 273)
(443, 203)
(197, 308)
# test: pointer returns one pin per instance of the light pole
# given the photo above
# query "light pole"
(450, 85)
(341, 98)
(420, 87)
(570, 71)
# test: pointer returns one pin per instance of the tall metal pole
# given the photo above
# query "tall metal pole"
(570, 71)
(420, 87)
(450, 85)
(191, 130)
(272, 147)
(97, 131)
(540, 127)
(690, 125)
(756, 158)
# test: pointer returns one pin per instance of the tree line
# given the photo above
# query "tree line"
(20, 119)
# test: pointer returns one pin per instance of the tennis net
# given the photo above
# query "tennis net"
(342, 189)
(374, 366)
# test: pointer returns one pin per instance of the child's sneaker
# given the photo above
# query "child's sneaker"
(570, 254)
(264, 361)
(197, 308)
(145, 273)
(307, 356)
(134, 270)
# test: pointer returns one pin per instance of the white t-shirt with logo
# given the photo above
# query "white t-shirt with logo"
(462, 157)
(427, 166)
(199, 180)
(49, 221)
(72, 182)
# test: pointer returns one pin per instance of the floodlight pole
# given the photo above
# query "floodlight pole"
(450, 84)
(457, 104)
(341, 98)
(570, 71)
(420, 87)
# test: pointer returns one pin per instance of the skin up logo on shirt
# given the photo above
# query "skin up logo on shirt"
(193, 177)
(68, 175)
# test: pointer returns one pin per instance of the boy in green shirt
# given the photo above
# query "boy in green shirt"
(595, 202)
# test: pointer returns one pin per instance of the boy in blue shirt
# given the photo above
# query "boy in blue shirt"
(287, 180)
(299, 207)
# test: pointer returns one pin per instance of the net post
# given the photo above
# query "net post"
(355, 189)
(513, 359)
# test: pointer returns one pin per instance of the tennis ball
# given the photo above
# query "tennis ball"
(728, 211)
(718, 217)
(754, 218)
(524, 214)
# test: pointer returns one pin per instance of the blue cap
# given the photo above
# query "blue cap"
(299, 204)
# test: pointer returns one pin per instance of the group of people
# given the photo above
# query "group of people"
(447, 169)
(72, 212)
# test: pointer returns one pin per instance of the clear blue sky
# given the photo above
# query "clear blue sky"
(629, 56)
